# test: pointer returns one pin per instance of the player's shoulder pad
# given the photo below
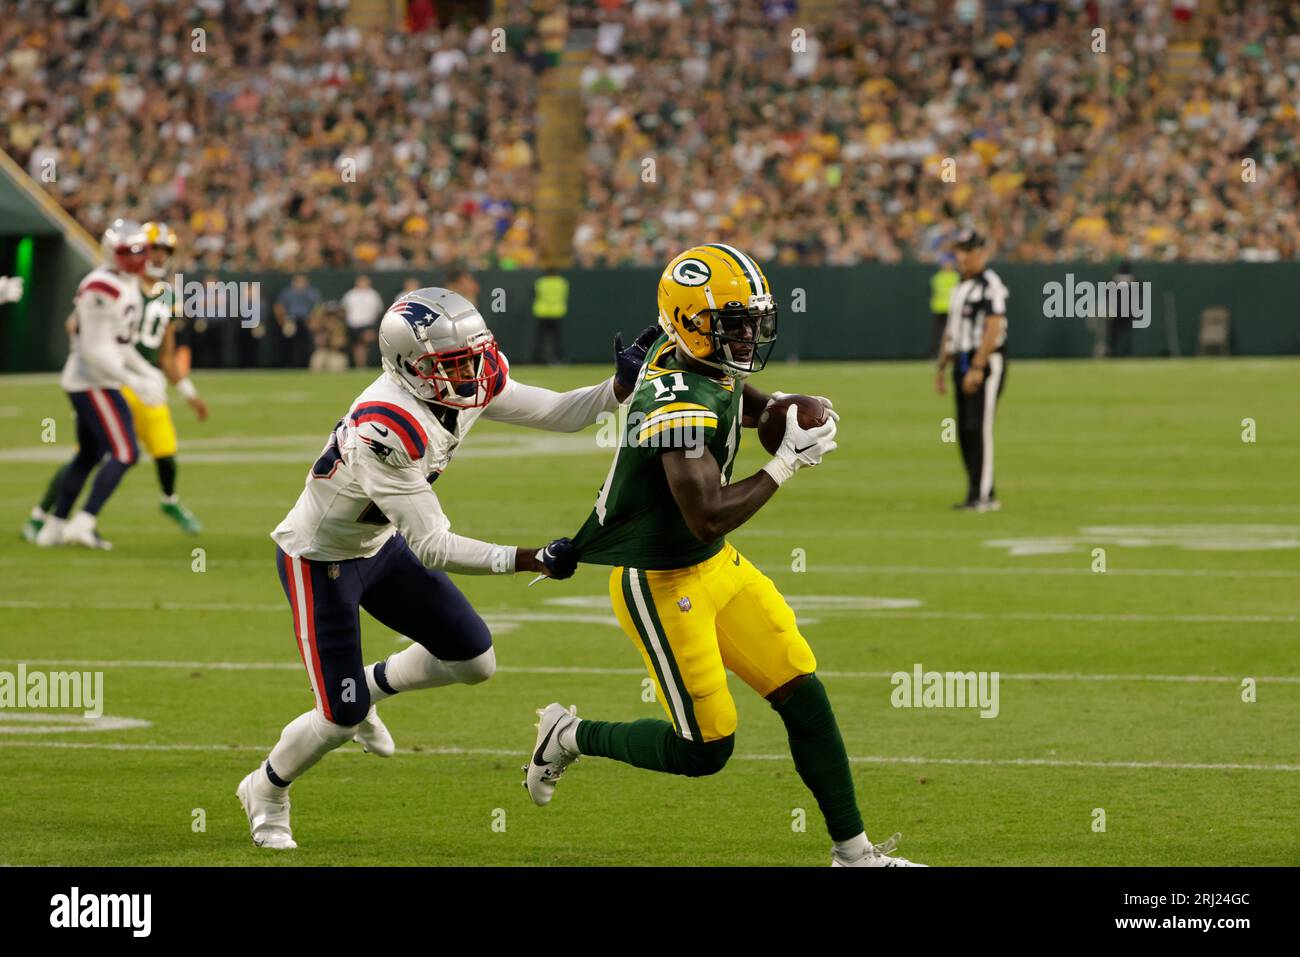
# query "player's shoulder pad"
(381, 425)
(674, 416)
(102, 282)
(994, 281)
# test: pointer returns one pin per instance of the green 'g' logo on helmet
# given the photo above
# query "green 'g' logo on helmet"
(692, 272)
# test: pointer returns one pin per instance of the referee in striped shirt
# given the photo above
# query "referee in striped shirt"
(975, 344)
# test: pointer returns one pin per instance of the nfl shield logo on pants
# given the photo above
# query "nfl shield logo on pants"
(684, 604)
(333, 572)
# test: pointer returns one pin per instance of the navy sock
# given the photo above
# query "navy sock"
(381, 677)
(275, 778)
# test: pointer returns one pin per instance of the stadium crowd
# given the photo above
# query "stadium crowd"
(276, 136)
(835, 152)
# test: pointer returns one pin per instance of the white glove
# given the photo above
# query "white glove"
(800, 447)
(826, 403)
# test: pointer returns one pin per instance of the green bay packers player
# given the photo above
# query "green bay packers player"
(155, 339)
(690, 602)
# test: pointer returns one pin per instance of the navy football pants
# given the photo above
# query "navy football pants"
(395, 588)
(105, 431)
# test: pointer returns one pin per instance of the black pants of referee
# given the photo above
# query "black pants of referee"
(975, 414)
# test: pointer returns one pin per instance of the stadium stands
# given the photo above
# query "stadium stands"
(328, 146)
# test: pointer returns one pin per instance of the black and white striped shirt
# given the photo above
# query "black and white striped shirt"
(972, 302)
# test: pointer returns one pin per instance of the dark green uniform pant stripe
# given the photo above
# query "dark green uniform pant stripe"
(688, 705)
(671, 679)
(630, 602)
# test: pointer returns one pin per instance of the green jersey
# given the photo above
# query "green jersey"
(636, 521)
(154, 318)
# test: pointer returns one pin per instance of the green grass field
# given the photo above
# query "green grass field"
(1119, 690)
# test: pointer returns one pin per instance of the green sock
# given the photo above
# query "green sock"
(820, 758)
(52, 491)
(653, 745)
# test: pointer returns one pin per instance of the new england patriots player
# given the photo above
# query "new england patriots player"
(368, 532)
(101, 363)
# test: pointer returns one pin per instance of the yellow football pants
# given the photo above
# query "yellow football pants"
(153, 425)
(694, 624)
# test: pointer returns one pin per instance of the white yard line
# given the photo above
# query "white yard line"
(1025, 570)
(21, 604)
(772, 567)
(857, 759)
(525, 617)
(104, 664)
(1226, 509)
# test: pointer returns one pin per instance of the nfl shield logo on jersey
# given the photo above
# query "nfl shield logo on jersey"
(684, 604)
(333, 572)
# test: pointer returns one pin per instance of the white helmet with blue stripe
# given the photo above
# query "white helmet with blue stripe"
(435, 344)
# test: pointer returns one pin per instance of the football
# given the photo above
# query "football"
(771, 421)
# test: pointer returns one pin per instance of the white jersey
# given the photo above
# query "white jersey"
(375, 475)
(108, 307)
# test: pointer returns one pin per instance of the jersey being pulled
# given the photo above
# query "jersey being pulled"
(636, 521)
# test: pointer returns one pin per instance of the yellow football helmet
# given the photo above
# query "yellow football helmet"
(161, 237)
(715, 304)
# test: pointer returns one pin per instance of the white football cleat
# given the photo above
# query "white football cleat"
(550, 758)
(373, 735)
(268, 818)
(80, 530)
(51, 533)
(877, 855)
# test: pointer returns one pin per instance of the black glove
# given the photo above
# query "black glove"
(630, 360)
(560, 558)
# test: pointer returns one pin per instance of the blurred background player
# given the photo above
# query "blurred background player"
(690, 602)
(155, 339)
(975, 343)
(101, 363)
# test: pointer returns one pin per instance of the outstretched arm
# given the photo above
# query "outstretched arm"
(405, 498)
(537, 408)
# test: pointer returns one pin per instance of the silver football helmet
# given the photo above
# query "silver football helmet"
(125, 246)
(435, 343)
